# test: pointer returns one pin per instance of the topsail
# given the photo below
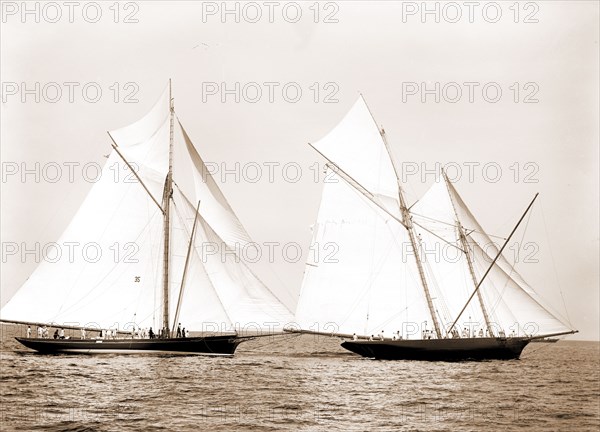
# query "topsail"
(117, 282)
(388, 283)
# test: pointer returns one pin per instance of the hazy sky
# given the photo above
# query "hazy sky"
(541, 131)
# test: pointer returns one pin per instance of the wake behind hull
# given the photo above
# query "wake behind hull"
(208, 345)
(440, 349)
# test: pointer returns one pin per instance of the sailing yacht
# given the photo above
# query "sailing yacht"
(421, 282)
(143, 229)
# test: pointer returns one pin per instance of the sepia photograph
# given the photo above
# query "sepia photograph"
(300, 215)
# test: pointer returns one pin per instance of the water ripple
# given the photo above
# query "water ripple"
(299, 384)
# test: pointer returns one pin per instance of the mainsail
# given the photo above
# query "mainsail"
(375, 283)
(123, 222)
(371, 283)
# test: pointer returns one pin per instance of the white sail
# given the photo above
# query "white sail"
(119, 220)
(200, 307)
(511, 304)
(355, 145)
(375, 284)
(371, 284)
(124, 222)
(246, 303)
(513, 308)
(194, 179)
(445, 264)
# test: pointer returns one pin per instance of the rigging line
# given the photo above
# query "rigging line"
(548, 308)
(493, 262)
(142, 231)
(239, 259)
(370, 286)
(407, 305)
(369, 281)
(542, 346)
(438, 292)
(482, 232)
(207, 177)
(394, 242)
(470, 230)
(453, 225)
(208, 274)
(58, 207)
(499, 301)
(432, 219)
(115, 147)
(441, 238)
(554, 266)
(391, 318)
(186, 264)
(357, 188)
(356, 185)
(212, 236)
(153, 270)
(502, 258)
(432, 277)
(109, 271)
(155, 266)
(513, 270)
(450, 189)
(85, 265)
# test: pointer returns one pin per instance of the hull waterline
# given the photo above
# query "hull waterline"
(440, 349)
(208, 345)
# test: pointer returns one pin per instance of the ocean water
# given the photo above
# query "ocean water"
(299, 383)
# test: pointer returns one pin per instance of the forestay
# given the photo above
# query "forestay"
(373, 283)
(120, 220)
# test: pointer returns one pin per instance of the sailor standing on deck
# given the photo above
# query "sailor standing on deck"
(82, 333)
(28, 332)
(179, 330)
(40, 332)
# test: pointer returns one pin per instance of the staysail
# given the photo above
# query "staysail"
(374, 284)
(512, 305)
(124, 222)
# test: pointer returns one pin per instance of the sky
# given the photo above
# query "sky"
(504, 96)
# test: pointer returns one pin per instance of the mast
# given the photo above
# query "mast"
(167, 194)
(407, 222)
(493, 262)
(465, 246)
(185, 267)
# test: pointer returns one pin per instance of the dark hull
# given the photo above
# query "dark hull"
(440, 349)
(209, 345)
